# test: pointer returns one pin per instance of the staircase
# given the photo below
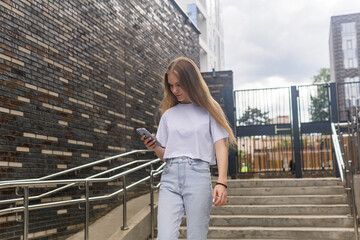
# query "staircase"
(282, 209)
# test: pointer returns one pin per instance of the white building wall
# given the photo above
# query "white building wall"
(206, 16)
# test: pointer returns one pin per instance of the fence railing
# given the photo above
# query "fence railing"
(348, 98)
(43, 182)
(284, 129)
(347, 152)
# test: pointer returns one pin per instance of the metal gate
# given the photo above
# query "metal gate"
(349, 105)
(315, 130)
(285, 129)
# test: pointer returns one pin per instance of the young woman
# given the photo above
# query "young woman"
(192, 130)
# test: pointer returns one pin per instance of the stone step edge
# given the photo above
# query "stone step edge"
(282, 179)
(289, 196)
(319, 229)
(285, 216)
(244, 239)
(282, 187)
(288, 205)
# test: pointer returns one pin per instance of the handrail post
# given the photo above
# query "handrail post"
(151, 181)
(124, 226)
(87, 210)
(354, 210)
(348, 186)
(26, 212)
(152, 204)
(349, 168)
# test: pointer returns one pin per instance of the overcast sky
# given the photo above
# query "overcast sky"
(272, 43)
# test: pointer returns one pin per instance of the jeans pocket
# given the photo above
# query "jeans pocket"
(200, 167)
(166, 169)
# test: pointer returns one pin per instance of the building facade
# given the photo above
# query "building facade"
(205, 14)
(76, 79)
(344, 42)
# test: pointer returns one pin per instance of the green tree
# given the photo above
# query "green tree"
(319, 109)
(254, 116)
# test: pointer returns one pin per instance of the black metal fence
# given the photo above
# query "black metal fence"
(349, 99)
(314, 113)
(263, 118)
(287, 129)
(349, 112)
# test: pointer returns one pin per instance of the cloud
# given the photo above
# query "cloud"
(278, 42)
(274, 81)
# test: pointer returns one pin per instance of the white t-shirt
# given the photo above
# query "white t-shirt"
(189, 130)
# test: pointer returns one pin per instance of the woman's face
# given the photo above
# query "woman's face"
(176, 89)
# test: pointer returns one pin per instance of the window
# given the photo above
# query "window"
(352, 91)
(214, 40)
(351, 62)
(349, 43)
(192, 12)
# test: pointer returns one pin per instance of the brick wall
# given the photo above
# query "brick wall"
(76, 79)
(221, 88)
(337, 61)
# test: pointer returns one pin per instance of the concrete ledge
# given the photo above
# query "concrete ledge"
(109, 226)
(139, 228)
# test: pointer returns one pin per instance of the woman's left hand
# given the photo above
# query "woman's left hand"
(219, 195)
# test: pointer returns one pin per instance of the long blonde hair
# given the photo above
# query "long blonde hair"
(195, 87)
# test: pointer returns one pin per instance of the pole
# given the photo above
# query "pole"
(87, 210)
(26, 212)
(296, 131)
(124, 227)
(152, 204)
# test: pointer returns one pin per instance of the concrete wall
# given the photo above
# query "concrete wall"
(76, 79)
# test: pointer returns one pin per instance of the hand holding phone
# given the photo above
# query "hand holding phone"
(145, 133)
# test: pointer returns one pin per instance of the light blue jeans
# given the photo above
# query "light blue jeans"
(185, 186)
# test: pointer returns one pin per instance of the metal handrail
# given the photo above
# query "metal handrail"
(338, 153)
(26, 183)
(153, 187)
(83, 166)
(345, 167)
(66, 186)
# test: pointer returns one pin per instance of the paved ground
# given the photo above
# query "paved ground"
(109, 226)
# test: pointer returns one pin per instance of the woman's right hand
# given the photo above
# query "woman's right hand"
(150, 144)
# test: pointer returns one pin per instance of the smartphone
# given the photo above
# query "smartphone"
(144, 132)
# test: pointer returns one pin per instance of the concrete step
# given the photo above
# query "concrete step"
(293, 199)
(276, 233)
(334, 209)
(284, 182)
(269, 191)
(282, 209)
(281, 221)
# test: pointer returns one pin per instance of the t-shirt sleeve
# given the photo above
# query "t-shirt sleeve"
(162, 132)
(217, 131)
